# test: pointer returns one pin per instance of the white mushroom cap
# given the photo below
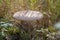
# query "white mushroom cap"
(28, 15)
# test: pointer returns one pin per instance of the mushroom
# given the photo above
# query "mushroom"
(28, 17)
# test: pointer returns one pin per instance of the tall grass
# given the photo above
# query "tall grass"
(51, 7)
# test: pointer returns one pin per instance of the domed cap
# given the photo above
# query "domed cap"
(28, 15)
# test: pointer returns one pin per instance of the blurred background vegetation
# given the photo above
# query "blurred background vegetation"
(50, 9)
